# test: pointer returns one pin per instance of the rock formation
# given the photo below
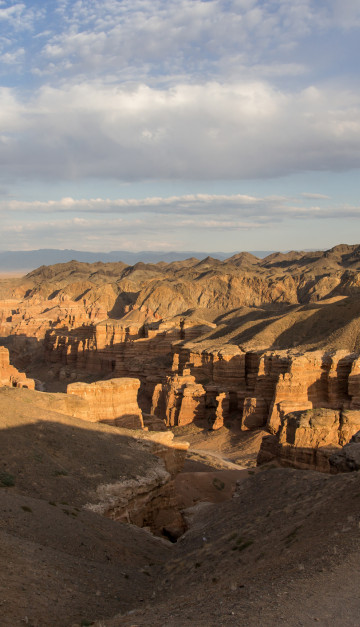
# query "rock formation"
(10, 376)
(348, 458)
(307, 439)
(213, 342)
(148, 501)
(113, 401)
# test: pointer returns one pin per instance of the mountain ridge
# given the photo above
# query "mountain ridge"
(26, 260)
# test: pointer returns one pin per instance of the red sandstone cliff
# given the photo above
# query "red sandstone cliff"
(113, 401)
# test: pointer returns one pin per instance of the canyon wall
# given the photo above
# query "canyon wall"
(111, 347)
(308, 439)
(113, 401)
(184, 383)
(259, 387)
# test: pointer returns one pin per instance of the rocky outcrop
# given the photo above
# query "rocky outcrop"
(126, 347)
(180, 401)
(205, 387)
(10, 376)
(113, 401)
(348, 458)
(148, 501)
(308, 439)
(316, 379)
(259, 388)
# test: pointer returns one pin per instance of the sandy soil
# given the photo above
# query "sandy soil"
(283, 551)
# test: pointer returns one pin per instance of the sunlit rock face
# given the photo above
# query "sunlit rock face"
(309, 439)
(10, 376)
(113, 401)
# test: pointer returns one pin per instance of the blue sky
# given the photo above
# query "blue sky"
(180, 124)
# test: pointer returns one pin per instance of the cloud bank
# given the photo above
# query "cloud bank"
(228, 131)
(175, 92)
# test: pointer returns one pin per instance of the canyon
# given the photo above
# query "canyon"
(170, 381)
(244, 341)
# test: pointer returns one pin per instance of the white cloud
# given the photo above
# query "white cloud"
(314, 196)
(19, 17)
(227, 131)
(12, 116)
(158, 40)
(189, 203)
(192, 221)
(13, 58)
(203, 210)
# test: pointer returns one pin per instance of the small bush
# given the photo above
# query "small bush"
(218, 484)
(241, 544)
(291, 537)
(6, 480)
(26, 508)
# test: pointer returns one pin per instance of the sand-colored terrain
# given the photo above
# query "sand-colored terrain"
(175, 523)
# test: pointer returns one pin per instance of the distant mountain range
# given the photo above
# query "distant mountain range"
(26, 260)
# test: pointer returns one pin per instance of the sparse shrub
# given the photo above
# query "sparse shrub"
(60, 473)
(26, 508)
(6, 480)
(292, 535)
(242, 544)
(218, 484)
(245, 545)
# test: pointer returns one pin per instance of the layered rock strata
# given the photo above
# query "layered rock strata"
(113, 401)
(258, 388)
(348, 458)
(117, 347)
(255, 388)
(308, 439)
(10, 376)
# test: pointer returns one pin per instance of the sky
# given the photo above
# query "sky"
(200, 125)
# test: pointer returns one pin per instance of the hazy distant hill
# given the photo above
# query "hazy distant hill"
(18, 260)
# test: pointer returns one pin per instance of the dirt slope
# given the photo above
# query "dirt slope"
(284, 552)
(273, 554)
(59, 563)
